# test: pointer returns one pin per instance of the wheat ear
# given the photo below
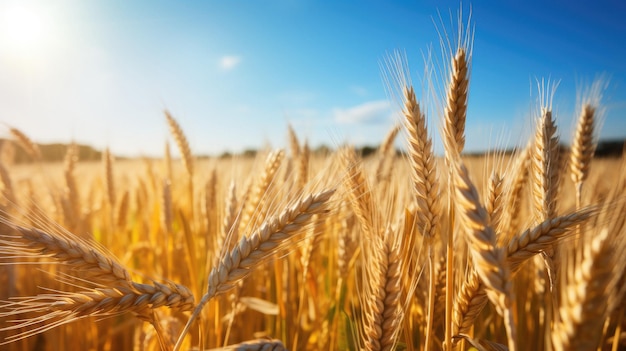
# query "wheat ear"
(71, 189)
(167, 209)
(472, 298)
(256, 345)
(384, 153)
(31, 148)
(7, 186)
(59, 308)
(383, 309)
(543, 236)
(167, 161)
(583, 145)
(230, 223)
(260, 245)
(254, 205)
(303, 165)
(294, 143)
(122, 210)
(585, 140)
(545, 182)
(513, 189)
(181, 142)
(359, 192)
(456, 103)
(423, 172)
(107, 162)
(454, 142)
(494, 203)
(66, 248)
(186, 155)
(425, 188)
(490, 261)
(586, 297)
(469, 302)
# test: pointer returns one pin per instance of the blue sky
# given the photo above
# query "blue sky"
(234, 73)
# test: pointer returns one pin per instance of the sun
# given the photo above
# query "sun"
(22, 29)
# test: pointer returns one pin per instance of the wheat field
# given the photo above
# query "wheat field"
(303, 251)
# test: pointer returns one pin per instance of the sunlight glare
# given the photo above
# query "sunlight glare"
(23, 29)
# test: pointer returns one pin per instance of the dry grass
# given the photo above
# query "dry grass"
(296, 251)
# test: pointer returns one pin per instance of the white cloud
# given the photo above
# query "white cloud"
(229, 62)
(369, 112)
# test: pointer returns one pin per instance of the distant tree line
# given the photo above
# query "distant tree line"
(49, 152)
(56, 152)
